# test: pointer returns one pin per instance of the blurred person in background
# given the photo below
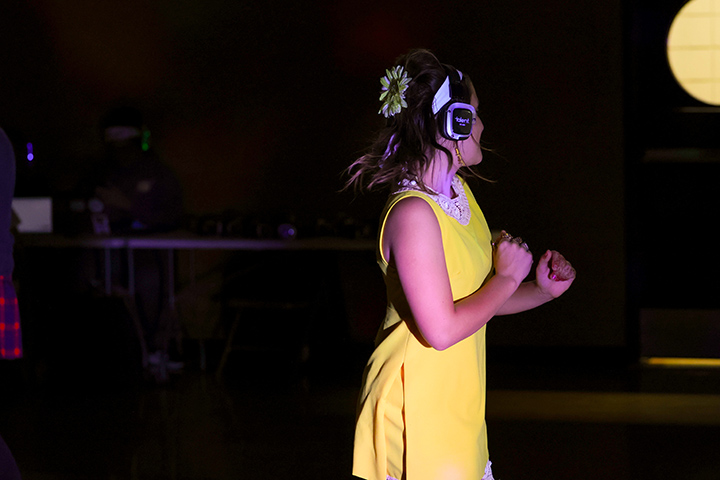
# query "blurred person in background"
(10, 331)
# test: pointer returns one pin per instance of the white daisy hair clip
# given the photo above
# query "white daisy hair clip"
(394, 84)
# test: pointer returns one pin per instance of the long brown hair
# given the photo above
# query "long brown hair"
(406, 144)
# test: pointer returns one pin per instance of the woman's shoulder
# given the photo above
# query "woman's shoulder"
(412, 225)
(409, 203)
(411, 213)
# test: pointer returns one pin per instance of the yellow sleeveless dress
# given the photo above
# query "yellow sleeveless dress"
(421, 412)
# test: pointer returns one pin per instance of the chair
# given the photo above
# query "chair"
(241, 306)
(271, 309)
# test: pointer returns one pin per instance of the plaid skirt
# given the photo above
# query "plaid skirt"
(10, 332)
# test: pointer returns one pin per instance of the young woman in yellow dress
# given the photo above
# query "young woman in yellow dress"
(421, 411)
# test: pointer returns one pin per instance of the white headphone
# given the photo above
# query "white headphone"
(455, 115)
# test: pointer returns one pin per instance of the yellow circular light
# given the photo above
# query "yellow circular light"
(693, 49)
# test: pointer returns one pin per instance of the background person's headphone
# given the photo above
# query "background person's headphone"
(452, 106)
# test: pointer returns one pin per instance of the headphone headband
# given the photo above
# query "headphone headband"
(442, 96)
(446, 92)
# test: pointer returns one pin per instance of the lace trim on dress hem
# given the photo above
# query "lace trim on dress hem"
(457, 208)
(488, 473)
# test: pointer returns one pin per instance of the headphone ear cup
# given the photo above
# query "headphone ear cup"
(456, 121)
(462, 117)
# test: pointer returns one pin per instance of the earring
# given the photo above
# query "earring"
(460, 159)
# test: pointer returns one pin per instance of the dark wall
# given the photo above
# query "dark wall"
(260, 106)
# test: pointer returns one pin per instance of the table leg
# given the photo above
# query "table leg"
(108, 272)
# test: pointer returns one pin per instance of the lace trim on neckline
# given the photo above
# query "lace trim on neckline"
(457, 208)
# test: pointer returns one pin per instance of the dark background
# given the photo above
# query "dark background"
(259, 106)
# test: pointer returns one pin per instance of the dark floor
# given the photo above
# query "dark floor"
(572, 415)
